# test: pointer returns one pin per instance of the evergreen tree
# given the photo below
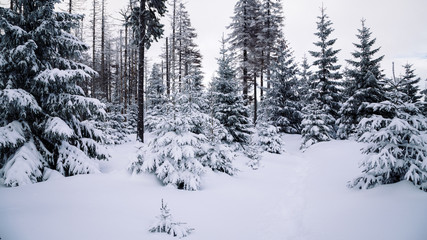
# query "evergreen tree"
(327, 75)
(244, 38)
(271, 18)
(184, 142)
(166, 224)
(229, 107)
(362, 86)
(282, 105)
(304, 81)
(155, 88)
(396, 147)
(188, 54)
(411, 87)
(317, 124)
(145, 20)
(46, 122)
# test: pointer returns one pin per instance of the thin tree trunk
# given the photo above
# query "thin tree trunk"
(245, 76)
(173, 45)
(125, 87)
(262, 75)
(93, 46)
(103, 79)
(141, 72)
(70, 6)
(121, 69)
(168, 83)
(255, 100)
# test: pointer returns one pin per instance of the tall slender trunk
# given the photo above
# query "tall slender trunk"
(70, 6)
(121, 69)
(245, 76)
(125, 87)
(255, 99)
(262, 75)
(173, 45)
(93, 46)
(103, 80)
(140, 129)
(168, 83)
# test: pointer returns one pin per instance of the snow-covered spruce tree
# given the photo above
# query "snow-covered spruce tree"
(320, 114)
(228, 104)
(174, 152)
(271, 20)
(166, 224)
(327, 75)
(155, 97)
(304, 81)
(46, 122)
(362, 86)
(268, 138)
(244, 39)
(317, 124)
(282, 104)
(180, 150)
(396, 140)
(115, 127)
(411, 84)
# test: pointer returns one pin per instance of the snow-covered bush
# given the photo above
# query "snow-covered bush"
(317, 124)
(115, 127)
(166, 224)
(396, 147)
(268, 138)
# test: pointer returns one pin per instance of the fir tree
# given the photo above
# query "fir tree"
(327, 75)
(362, 86)
(282, 105)
(229, 107)
(182, 147)
(411, 87)
(271, 19)
(46, 122)
(244, 38)
(396, 147)
(304, 81)
(166, 224)
(317, 124)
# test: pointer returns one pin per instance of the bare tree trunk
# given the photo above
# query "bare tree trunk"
(103, 78)
(140, 129)
(70, 6)
(121, 69)
(262, 75)
(255, 100)
(245, 76)
(93, 46)
(168, 83)
(173, 45)
(125, 87)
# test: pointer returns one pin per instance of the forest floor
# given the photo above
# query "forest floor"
(294, 195)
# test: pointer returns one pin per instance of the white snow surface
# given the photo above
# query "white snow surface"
(291, 196)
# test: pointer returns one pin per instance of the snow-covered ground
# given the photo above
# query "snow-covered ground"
(292, 196)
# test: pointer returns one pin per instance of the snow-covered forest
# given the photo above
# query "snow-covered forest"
(95, 139)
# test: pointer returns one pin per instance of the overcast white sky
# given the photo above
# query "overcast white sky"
(398, 25)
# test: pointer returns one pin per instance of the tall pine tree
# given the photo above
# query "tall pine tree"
(324, 96)
(282, 104)
(362, 86)
(46, 122)
(229, 107)
(326, 78)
